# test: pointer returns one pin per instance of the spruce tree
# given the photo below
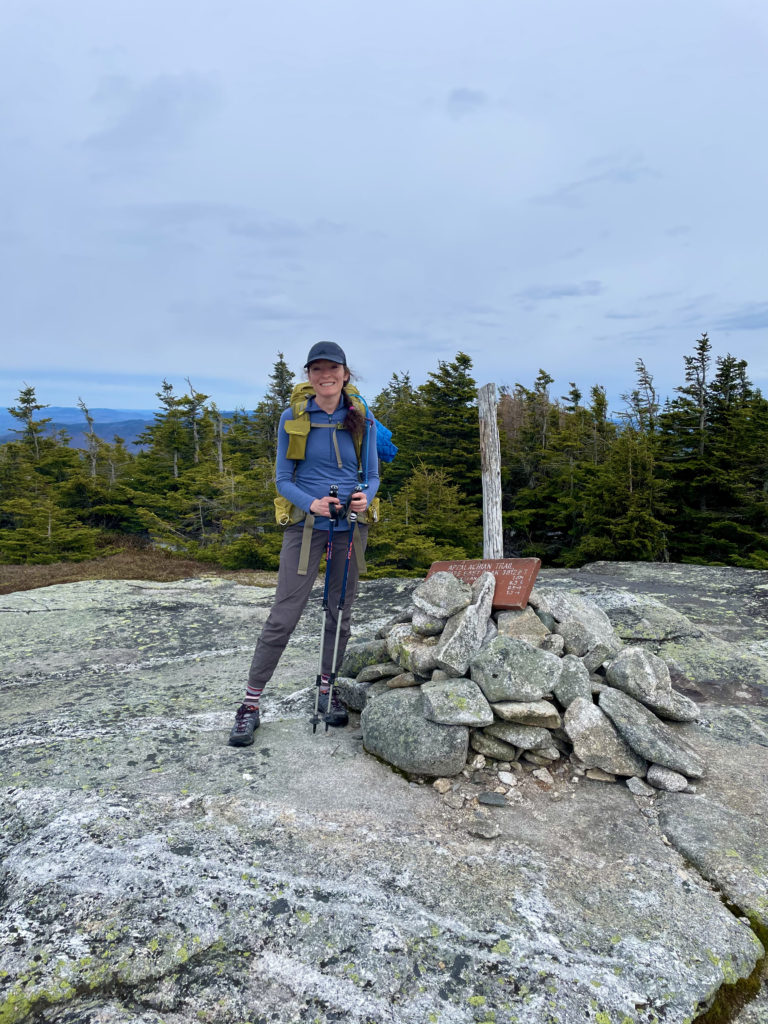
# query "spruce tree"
(715, 453)
(427, 521)
(35, 524)
(33, 430)
(266, 415)
(399, 407)
(168, 442)
(448, 426)
(193, 410)
(534, 463)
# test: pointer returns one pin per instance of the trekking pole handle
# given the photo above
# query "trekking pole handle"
(335, 511)
(352, 516)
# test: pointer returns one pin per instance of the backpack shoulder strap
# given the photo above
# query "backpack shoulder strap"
(298, 426)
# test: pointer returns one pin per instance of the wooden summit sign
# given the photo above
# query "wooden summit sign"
(514, 576)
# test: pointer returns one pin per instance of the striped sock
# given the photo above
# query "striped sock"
(325, 683)
(252, 696)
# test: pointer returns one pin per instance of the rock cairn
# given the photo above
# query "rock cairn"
(449, 680)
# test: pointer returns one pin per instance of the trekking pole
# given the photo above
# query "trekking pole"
(333, 491)
(352, 517)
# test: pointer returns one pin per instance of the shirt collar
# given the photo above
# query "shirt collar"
(312, 405)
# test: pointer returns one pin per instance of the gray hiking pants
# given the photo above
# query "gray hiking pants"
(293, 593)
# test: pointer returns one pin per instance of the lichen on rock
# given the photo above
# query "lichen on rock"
(150, 872)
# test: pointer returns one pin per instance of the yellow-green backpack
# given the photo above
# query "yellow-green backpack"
(298, 428)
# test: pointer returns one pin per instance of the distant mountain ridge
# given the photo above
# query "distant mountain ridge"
(107, 423)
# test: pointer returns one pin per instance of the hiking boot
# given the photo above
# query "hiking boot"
(246, 724)
(337, 714)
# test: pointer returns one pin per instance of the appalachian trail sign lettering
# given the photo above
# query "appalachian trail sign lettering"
(514, 576)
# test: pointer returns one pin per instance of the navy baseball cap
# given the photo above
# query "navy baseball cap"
(326, 350)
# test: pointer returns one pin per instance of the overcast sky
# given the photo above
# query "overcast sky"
(190, 187)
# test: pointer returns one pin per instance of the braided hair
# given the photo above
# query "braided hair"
(354, 421)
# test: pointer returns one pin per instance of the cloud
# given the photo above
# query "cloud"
(695, 311)
(240, 221)
(154, 114)
(282, 229)
(177, 214)
(479, 309)
(572, 194)
(225, 317)
(462, 102)
(753, 316)
(545, 292)
(651, 335)
(266, 311)
(388, 334)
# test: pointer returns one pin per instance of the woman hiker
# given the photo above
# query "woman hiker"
(325, 457)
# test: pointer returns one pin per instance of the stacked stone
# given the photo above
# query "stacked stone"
(448, 680)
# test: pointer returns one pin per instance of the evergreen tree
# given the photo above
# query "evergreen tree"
(41, 532)
(243, 443)
(540, 445)
(715, 450)
(427, 521)
(168, 442)
(399, 407)
(217, 424)
(601, 429)
(450, 434)
(623, 507)
(35, 526)
(245, 532)
(388, 404)
(91, 438)
(193, 412)
(266, 416)
(687, 482)
(25, 411)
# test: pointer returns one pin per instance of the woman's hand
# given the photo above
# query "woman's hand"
(323, 506)
(358, 502)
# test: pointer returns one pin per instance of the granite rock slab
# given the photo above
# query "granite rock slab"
(526, 737)
(648, 736)
(538, 712)
(574, 681)
(427, 625)
(512, 669)
(597, 743)
(442, 595)
(580, 621)
(646, 677)
(414, 653)
(524, 624)
(456, 702)
(484, 743)
(152, 873)
(465, 632)
(395, 729)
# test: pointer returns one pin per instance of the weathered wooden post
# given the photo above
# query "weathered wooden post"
(490, 459)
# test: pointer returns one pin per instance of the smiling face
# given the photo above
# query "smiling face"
(328, 379)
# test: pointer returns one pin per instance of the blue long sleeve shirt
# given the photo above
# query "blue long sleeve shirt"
(303, 480)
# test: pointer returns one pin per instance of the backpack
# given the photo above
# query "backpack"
(298, 428)
(385, 447)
